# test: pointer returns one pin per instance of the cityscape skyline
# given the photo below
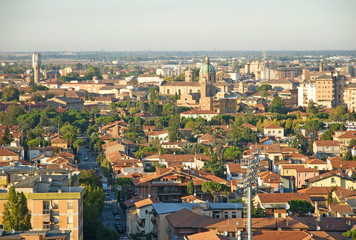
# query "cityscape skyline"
(192, 26)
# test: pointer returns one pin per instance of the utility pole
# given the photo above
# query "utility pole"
(250, 181)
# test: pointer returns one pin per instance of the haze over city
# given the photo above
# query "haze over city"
(160, 25)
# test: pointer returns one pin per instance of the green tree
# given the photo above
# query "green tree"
(232, 153)
(300, 207)
(10, 93)
(16, 215)
(327, 135)
(79, 143)
(277, 105)
(90, 178)
(6, 138)
(215, 189)
(311, 108)
(347, 156)
(350, 233)
(93, 71)
(264, 87)
(190, 188)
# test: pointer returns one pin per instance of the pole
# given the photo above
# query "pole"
(249, 214)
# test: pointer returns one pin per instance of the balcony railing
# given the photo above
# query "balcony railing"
(46, 211)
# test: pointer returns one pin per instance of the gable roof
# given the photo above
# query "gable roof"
(282, 197)
(273, 126)
(327, 143)
(5, 152)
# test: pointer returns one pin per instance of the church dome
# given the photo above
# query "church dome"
(207, 67)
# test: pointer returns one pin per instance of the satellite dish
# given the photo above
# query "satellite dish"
(290, 212)
(309, 213)
(236, 223)
(12, 231)
(318, 228)
(225, 233)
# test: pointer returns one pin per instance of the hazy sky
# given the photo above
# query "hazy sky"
(117, 25)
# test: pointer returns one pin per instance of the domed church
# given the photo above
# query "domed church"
(203, 88)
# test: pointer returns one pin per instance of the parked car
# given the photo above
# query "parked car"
(117, 217)
(115, 212)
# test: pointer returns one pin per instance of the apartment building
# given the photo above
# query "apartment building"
(52, 202)
(330, 90)
(350, 96)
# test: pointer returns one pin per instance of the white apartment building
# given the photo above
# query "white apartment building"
(306, 93)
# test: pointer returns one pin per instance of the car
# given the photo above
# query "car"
(117, 217)
(120, 229)
(115, 212)
(125, 238)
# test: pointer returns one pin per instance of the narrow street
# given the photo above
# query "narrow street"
(107, 217)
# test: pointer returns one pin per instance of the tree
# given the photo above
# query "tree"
(347, 156)
(215, 189)
(277, 105)
(93, 71)
(6, 138)
(79, 143)
(16, 215)
(190, 188)
(264, 87)
(90, 178)
(350, 233)
(10, 93)
(300, 207)
(311, 108)
(327, 135)
(232, 153)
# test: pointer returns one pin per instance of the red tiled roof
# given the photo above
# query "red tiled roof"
(282, 197)
(327, 143)
(6, 152)
(273, 126)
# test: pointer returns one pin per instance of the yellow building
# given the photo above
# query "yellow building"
(52, 205)
(332, 180)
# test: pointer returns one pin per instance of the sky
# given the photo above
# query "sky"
(176, 25)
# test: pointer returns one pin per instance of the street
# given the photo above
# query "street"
(107, 217)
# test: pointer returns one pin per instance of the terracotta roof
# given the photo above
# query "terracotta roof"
(322, 190)
(343, 164)
(289, 149)
(348, 134)
(230, 225)
(236, 168)
(279, 235)
(336, 158)
(282, 197)
(315, 161)
(211, 235)
(187, 219)
(273, 126)
(6, 152)
(341, 208)
(321, 235)
(270, 177)
(327, 143)
(144, 202)
(157, 133)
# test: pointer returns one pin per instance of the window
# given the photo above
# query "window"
(46, 207)
(226, 215)
(70, 204)
(55, 208)
(233, 214)
(69, 220)
(332, 180)
(287, 171)
(279, 215)
(146, 211)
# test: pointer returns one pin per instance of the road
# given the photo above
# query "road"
(90, 162)
(106, 216)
